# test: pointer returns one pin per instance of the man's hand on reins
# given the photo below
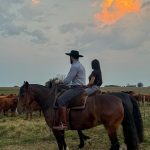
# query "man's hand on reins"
(57, 81)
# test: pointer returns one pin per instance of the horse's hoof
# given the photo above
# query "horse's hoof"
(86, 138)
(81, 145)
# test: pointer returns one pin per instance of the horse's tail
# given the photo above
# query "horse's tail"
(137, 119)
(129, 129)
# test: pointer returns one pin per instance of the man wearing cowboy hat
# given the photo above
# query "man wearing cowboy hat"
(75, 77)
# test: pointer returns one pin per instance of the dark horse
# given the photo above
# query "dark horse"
(105, 109)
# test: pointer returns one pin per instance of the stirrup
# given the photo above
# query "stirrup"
(61, 127)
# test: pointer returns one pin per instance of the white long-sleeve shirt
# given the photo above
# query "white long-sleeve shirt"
(76, 75)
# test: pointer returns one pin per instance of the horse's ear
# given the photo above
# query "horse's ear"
(50, 84)
(26, 84)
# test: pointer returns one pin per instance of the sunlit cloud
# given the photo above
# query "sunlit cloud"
(34, 2)
(95, 3)
(114, 10)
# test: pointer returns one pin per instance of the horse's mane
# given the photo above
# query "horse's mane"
(47, 88)
(51, 82)
(39, 85)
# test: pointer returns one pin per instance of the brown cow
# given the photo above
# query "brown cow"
(34, 106)
(146, 98)
(8, 103)
(138, 97)
(2, 96)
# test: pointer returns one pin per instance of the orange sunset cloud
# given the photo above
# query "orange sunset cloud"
(114, 10)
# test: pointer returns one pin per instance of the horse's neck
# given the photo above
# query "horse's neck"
(44, 97)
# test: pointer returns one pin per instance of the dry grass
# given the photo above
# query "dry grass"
(143, 90)
(9, 90)
(19, 134)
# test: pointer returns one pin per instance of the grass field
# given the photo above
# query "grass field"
(19, 134)
(9, 90)
(144, 90)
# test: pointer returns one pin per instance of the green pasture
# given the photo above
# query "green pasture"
(9, 90)
(143, 90)
(16, 133)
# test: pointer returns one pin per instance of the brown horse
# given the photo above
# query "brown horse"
(100, 109)
(131, 102)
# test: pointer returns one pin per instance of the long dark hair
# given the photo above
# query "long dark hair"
(96, 67)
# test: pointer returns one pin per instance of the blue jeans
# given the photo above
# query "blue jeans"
(66, 98)
(92, 89)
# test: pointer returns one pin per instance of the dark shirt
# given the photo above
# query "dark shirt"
(98, 77)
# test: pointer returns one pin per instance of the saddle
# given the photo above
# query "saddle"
(78, 102)
(95, 93)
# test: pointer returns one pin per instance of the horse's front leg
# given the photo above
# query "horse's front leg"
(59, 135)
(83, 138)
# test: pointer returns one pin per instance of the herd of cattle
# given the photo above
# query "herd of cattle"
(8, 104)
(141, 98)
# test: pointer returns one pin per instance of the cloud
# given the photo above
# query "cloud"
(114, 10)
(15, 21)
(145, 4)
(11, 30)
(75, 26)
(71, 27)
(37, 36)
(127, 34)
(30, 13)
(10, 2)
(56, 6)
(8, 26)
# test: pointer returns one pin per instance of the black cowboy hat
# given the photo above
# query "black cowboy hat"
(74, 53)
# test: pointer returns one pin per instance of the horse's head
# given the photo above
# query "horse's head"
(25, 98)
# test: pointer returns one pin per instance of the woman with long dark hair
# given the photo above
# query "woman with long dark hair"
(95, 79)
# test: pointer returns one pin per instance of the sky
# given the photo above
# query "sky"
(35, 34)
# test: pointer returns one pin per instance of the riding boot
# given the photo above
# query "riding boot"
(62, 111)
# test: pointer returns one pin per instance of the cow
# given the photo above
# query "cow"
(34, 106)
(8, 103)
